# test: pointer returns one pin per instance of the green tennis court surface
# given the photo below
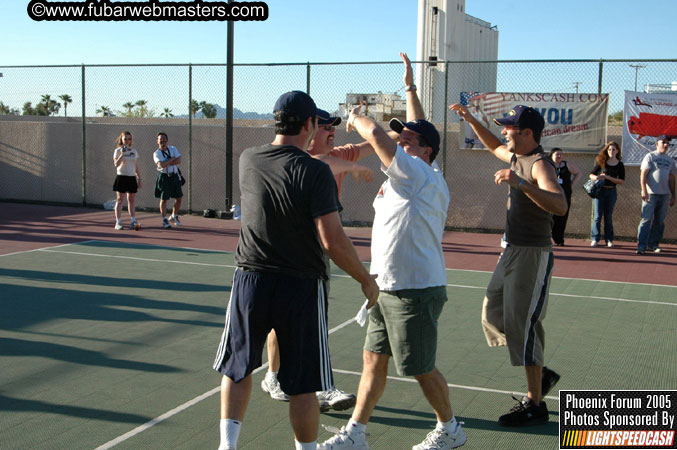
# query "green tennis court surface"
(110, 345)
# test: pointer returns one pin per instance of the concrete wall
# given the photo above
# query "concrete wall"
(41, 161)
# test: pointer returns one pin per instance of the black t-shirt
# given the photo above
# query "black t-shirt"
(283, 190)
(617, 171)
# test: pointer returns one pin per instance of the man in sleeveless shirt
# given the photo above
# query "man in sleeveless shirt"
(516, 298)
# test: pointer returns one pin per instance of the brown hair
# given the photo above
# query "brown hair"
(603, 155)
(120, 141)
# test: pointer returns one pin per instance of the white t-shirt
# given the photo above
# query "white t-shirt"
(660, 166)
(128, 165)
(410, 215)
(159, 157)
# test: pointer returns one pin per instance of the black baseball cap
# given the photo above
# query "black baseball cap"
(324, 118)
(422, 127)
(524, 117)
(297, 105)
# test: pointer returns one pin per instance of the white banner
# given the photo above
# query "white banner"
(573, 122)
(646, 116)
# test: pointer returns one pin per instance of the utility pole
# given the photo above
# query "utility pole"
(637, 67)
(576, 84)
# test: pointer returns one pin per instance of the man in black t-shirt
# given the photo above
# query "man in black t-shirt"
(289, 221)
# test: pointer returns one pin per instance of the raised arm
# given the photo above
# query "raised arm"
(414, 108)
(376, 136)
(490, 141)
(340, 249)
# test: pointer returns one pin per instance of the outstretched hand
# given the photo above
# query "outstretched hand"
(461, 110)
(408, 72)
(355, 112)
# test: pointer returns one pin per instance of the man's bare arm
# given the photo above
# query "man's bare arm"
(490, 141)
(340, 249)
(414, 107)
(339, 166)
(376, 136)
(546, 192)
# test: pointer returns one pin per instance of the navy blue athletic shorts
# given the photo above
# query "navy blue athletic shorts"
(297, 309)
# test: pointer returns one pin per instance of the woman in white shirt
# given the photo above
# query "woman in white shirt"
(127, 180)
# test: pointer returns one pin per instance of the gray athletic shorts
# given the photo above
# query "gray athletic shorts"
(403, 325)
(515, 303)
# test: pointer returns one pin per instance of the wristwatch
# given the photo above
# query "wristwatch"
(411, 87)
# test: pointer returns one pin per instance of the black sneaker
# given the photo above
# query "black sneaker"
(548, 380)
(525, 413)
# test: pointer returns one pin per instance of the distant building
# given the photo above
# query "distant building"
(446, 32)
(661, 88)
(379, 106)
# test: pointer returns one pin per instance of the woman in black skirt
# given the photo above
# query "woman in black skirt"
(567, 176)
(127, 180)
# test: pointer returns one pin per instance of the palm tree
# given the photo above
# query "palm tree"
(208, 109)
(194, 107)
(167, 113)
(143, 109)
(128, 106)
(4, 109)
(104, 111)
(66, 99)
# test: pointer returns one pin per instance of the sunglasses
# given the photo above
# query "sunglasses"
(328, 127)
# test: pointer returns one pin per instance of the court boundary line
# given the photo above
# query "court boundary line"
(363, 262)
(229, 266)
(45, 248)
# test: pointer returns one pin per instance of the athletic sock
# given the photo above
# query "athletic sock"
(449, 427)
(230, 432)
(355, 427)
(306, 445)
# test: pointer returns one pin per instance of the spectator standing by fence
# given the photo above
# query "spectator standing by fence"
(568, 175)
(168, 184)
(127, 180)
(657, 179)
(608, 167)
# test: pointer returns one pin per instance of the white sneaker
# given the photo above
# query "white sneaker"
(270, 385)
(118, 226)
(593, 244)
(441, 440)
(176, 220)
(335, 399)
(344, 439)
(610, 244)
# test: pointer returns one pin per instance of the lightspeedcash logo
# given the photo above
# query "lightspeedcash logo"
(150, 10)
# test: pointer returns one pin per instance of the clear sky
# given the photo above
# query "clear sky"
(346, 30)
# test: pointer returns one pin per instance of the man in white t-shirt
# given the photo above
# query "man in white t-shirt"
(168, 185)
(657, 179)
(406, 253)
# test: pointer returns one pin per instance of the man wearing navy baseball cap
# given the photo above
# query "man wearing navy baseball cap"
(516, 298)
(406, 253)
(289, 222)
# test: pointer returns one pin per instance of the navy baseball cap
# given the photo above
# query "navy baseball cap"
(422, 127)
(324, 118)
(297, 105)
(664, 137)
(524, 117)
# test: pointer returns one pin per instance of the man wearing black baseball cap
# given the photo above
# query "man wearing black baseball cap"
(657, 179)
(406, 253)
(517, 295)
(289, 222)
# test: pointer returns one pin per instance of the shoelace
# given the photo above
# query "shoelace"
(520, 406)
(340, 434)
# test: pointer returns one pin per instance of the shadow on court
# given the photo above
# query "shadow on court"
(26, 306)
(75, 355)
(20, 405)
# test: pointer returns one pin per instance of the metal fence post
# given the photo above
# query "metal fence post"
(190, 138)
(84, 143)
(600, 75)
(446, 103)
(308, 78)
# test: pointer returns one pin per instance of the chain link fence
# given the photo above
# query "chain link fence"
(59, 124)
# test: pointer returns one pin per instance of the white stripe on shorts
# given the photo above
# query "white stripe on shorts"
(218, 361)
(325, 365)
(541, 279)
